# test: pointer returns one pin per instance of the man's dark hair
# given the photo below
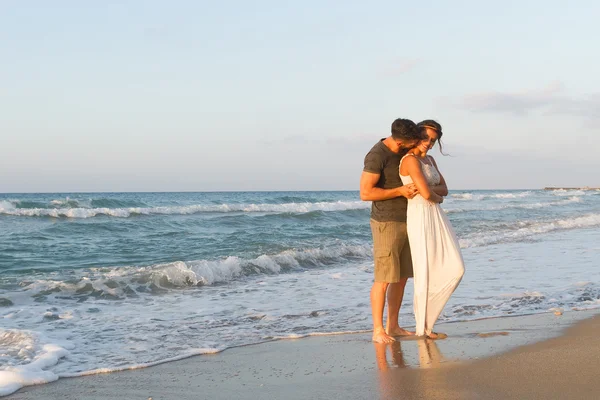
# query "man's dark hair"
(431, 124)
(405, 129)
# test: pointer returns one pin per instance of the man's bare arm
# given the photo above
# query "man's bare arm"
(369, 192)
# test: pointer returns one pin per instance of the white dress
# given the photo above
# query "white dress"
(437, 261)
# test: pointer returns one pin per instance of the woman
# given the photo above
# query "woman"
(437, 262)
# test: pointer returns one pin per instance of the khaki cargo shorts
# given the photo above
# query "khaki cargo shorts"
(391, 251)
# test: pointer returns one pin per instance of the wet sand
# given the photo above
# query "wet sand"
(523, 357)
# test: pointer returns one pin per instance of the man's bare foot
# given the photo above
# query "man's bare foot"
(436, 335)
(397, 331)
(379, 336)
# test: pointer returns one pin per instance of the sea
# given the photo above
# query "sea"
(101, 282)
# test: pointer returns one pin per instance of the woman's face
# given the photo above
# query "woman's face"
(427, 144)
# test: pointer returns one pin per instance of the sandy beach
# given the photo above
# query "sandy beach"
(542, 356)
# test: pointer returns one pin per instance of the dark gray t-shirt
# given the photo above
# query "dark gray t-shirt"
(381, 160)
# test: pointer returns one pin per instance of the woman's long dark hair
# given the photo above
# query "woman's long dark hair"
(431, 124)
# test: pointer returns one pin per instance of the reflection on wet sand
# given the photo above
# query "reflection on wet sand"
(381, 355)
(428, 352)
(392, 358)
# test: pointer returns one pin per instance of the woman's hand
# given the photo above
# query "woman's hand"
(409, 191)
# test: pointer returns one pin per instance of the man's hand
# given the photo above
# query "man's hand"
(370, 192)
(409, 191)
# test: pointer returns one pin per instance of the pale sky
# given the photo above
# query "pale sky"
(264, 95)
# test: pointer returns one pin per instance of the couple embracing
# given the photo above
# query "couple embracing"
(412, 237)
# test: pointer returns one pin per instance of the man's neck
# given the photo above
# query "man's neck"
(390, 143)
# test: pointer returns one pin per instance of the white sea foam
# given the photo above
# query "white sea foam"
(462, 196)
(71, 203)
(563, 192)
(186, 354)
(510, 195)
(522, 295)
(317, 334)
(8, 208)
(570, 200)
(477, 197)
(525, 230)
(26, 359)
(526, 206)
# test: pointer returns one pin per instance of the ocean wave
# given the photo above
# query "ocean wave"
(503, 304)
(114, 203)
(523, 230)
(526, 206)
(570, 200)
(25, 204)
(93, 203)
(471, 196)
(462, 196)
(510, 195)
(570, 192)
(575, 297)
(9, 208)
(115, 283)
(67, 203)
(7, 205)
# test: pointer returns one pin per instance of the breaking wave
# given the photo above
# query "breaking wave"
(114, 283)
(10, 208)
(526, 230)
(524, 206)
(471, 196)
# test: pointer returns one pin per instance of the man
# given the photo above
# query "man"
(380, 183)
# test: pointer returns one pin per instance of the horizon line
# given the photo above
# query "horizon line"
(248, 191)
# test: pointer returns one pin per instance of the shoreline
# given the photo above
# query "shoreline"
(311, 366)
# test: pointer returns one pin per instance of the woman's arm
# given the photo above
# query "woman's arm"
(441, 188)
(413, 167)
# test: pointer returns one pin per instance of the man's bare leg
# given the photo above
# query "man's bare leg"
(377, 304)
(381, 356)
(395, 294)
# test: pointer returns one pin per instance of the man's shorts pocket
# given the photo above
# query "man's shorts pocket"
(384, 266)
(383, 253)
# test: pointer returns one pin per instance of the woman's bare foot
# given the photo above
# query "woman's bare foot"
(379, 336)
(397, 331)
(436, 335)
